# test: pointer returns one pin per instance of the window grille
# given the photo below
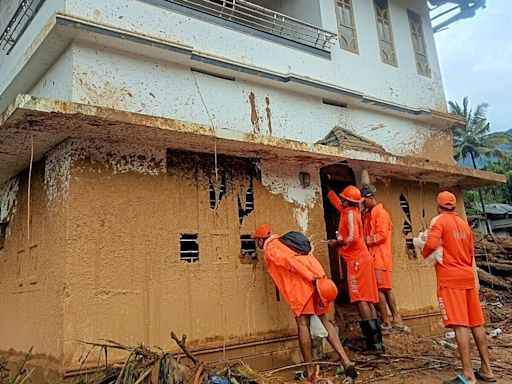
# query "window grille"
(346, 25)
(418, 44)
(247, 247)
(385, 33)
(189, 248)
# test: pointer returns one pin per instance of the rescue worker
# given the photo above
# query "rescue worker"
(295, 276)
(457, 292)
(362, 285)
(378, 233)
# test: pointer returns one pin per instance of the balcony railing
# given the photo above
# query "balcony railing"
(18, 23)
(265, 20)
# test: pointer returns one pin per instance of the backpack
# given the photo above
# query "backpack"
(296, 241)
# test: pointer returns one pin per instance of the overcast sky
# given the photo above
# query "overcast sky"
(476, 61)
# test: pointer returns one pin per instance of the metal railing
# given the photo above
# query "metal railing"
(263, 19)
(18, 23)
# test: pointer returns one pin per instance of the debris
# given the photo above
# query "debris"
(496, 332)
(450, 335)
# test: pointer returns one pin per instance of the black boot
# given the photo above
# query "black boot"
(376, 332)
(368, 335)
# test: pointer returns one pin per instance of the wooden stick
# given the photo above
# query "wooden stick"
(183, 346)
(406, 372)
(197, 376)
(22, 366)
(300, 365)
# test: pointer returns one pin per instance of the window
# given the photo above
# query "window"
(386, 43)
(418, 44)
(247, 248)
(189, 248)
(346, 25)
(407, 228)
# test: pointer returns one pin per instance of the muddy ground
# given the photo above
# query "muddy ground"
(416, 359)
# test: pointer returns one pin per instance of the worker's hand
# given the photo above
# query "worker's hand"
(313, 281)
(331, 242)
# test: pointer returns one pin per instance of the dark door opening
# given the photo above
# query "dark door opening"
(337, 176)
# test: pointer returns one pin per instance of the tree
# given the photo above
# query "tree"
(474, 139)
(500, 193)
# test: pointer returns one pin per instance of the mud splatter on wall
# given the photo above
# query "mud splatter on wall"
(8, 198)
(120, 157)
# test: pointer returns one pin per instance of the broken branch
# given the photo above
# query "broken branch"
(182, 344)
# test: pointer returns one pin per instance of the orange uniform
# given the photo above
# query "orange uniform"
(456, 286)
(378, 233)
(293, 274)
(362, 285)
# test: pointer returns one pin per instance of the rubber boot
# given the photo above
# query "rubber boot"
(366, 331)
(379, 331)
(376, 333)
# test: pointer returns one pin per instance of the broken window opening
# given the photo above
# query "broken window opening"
(249, 204)
(3, 233)
(189, 247)
(248, 248)
(405, 206)
(217, 192)
(411, 249)
(407, 228)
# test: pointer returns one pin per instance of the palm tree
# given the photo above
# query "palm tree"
(474, 139)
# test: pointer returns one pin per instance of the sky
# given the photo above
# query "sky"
(476, 61)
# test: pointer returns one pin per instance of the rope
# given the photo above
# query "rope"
(29, 184)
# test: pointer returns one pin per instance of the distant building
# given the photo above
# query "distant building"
(142, 141)
(499, 218)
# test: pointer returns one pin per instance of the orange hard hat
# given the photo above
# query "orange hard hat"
(447, 200)
(262, 232)
(352, 194)
(326, 290)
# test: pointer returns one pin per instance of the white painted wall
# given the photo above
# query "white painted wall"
(11, 65)
(57, 83)
(363, 73)
(168, 90)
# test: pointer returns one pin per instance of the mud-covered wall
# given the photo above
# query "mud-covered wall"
(31, 267)
(128, 206)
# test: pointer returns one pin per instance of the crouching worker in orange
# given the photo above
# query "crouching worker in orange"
(378, 233)
(302, 283)
(456, 288)
(362, 285)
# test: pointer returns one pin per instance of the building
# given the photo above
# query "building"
(141, 141)
(499, 219)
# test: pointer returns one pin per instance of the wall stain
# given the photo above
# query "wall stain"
(269, 115)
(254, 114)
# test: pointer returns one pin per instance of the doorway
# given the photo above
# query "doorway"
(337, 176)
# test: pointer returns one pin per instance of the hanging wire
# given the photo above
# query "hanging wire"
(29, 184)
(213, 127)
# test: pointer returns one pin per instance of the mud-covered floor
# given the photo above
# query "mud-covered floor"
(416, 359)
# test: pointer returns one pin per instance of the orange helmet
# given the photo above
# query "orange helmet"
(447, 200)
(326, 290)
(352, 194)
(262, 232)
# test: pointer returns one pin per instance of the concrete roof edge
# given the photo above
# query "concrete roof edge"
(401, 166)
